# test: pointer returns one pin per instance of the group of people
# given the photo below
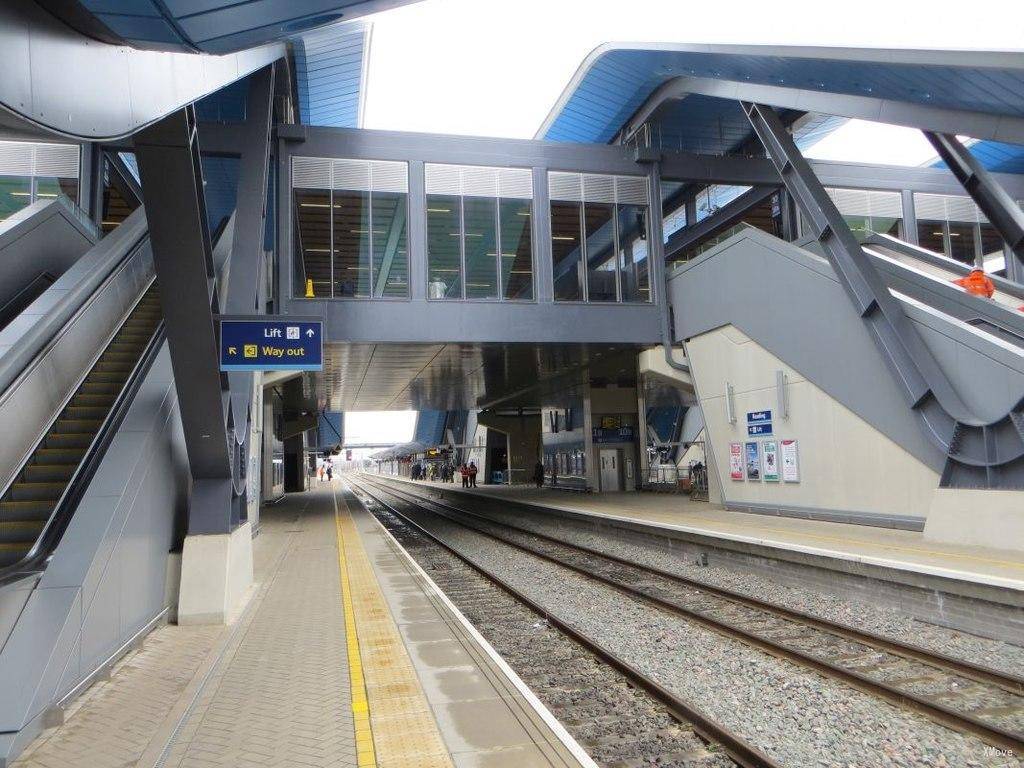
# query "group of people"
(445, 472)
(326, 469)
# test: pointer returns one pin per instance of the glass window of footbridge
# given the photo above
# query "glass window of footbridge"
(479, 241)
(870, 212)
(351, 228)
(34, 171)
(599, 237)
(953, 225)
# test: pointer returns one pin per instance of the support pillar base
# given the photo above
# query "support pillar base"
(216, 574)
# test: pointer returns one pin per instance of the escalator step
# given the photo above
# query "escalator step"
(99, 400)
(58, 455)
(112, 378)
(20, 531)
(49, 473)
(21, 491)
(88, 412)
(105, 388)
(69, 440)
(30, 501)
(78, 426)
(39, 510)
(11, 553)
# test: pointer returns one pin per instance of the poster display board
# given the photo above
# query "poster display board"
(736, 461)
(753, 461)
(790, 461)
(771, 461)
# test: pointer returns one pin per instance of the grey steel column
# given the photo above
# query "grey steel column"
(909, 217)
(169, 163)
(417, 247)
(1001, 209)
(246, 263)
(541, 233)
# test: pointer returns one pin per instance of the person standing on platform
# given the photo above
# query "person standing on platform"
(472, 474)
(538, 474)
(464, 471)
(330, 470)
(320, 472)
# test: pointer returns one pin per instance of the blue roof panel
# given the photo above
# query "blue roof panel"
(617, 81)
(329, 72)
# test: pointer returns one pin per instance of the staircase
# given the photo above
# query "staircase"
(36, 491)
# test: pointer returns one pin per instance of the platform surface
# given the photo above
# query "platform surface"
(342, 657)
(886, 547)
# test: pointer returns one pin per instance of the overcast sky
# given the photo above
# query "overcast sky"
(495, 68)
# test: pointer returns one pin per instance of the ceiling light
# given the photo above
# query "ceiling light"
(563, 237)
(439, 210)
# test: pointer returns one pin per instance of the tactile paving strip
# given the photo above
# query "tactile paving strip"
(394, 723)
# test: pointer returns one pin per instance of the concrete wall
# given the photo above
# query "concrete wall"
(848, 469)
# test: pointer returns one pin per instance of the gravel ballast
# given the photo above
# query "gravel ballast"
(882, 620)
(798, 717)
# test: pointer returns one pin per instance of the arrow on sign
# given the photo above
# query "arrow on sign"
(232, 350)
(311, 333)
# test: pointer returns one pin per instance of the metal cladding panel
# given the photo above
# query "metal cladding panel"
(478, 181)
(221, 26)
(996, 156)
(946, 208)
(430, 427)
(23, 158)
(619, 80)
(863, 202)
(329, 73)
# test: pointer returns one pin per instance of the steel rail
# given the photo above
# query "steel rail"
(1008, 682)
(735, 746)
(940, 713)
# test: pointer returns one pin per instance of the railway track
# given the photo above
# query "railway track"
(957, 693)
(622, 717)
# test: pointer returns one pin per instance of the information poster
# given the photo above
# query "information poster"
(736, 461)
(753, 461)
(790, 462)
(771, 461)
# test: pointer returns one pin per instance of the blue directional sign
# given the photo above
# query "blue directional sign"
(762, 428)
(271, 344)
(756, 417)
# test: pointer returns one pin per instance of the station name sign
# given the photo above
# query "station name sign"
(271, 343)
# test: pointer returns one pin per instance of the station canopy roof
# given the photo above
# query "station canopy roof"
(687, 94)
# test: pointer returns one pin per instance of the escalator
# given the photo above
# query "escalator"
(31, 507)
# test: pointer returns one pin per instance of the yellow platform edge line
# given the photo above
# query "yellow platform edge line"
(405, 730)
(365, 755)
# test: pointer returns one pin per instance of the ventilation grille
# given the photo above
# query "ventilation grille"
(23, 158)
(864, 202)
(946, 208)
(356, 175)
(478, 181)
(597, 188)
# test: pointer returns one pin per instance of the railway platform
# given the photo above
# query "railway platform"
(345, 654)
(969, 587)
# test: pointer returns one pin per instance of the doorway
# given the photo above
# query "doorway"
(611, 470)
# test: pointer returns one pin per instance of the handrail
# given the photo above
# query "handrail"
(60, 518)
(941, 261)
(72, 303)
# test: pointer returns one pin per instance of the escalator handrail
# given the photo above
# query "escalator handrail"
(35, 559)
(65, 310)
(942, 261)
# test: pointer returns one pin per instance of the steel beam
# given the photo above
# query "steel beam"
(979, 454)
(246, 264)
(172, 183)
(1001, 209)
(693, 234)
